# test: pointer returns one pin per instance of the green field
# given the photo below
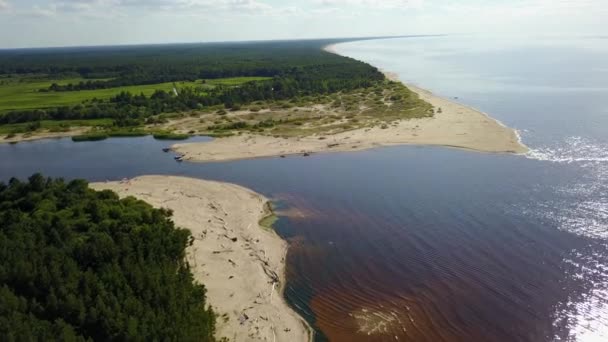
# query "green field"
(56, 125)
(25, 93)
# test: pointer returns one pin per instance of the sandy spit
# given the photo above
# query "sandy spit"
(241, 264)
(455, 125)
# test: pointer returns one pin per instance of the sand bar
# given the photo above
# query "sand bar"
(241, 264)
(455, 125)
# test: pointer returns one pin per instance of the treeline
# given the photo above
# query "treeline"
(130, 110)
(133, 65)
(297, 69)
(81, 265)
(120, 82)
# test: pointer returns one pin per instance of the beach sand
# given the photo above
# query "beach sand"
(455, 125)
(241, 264)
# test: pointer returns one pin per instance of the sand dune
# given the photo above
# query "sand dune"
(455, 125)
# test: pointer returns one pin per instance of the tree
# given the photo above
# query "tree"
(79, 265)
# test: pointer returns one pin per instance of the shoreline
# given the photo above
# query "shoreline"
(239, 262)
(453, 125)
(419, 90)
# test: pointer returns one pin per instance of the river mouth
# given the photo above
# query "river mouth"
(407, 242)
(422, 243)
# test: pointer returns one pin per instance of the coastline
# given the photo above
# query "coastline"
(455, 125)
(427, 95)
(239, 262)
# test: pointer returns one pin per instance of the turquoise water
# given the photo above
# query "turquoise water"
(429, 243)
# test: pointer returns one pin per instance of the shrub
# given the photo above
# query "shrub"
(127, 133)
(90, 137)
(170, 136)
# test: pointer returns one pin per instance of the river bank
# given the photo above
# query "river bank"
(33, 136)
(241, 264)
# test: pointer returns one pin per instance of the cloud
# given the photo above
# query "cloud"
(4, 5)
(173, 7)
(524, 8)
(373, 4)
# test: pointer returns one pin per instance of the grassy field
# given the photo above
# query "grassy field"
(25, 93)
(56, 125)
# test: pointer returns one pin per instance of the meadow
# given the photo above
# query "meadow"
(23, 93)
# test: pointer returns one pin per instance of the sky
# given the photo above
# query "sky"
(41, 23)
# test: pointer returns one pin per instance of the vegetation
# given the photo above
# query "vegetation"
(273, 88)
(108, 67)
(55, 125)
(268, 221)
(120, 133)
(22, 92)
(90, 137)
(170, 136)
(130, 85)
(81, 265)
(379, 106)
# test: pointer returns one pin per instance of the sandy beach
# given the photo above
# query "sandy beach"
(453, 125)
(457, 126)
(240, 263)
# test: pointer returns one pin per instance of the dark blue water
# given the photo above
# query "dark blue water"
(429, 243)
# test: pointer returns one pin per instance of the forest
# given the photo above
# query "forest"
(82, 265)
(294, 69)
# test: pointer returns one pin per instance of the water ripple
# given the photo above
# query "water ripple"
(581, 208)
(573, 150)
(586, 314)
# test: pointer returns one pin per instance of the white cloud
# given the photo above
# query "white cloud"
(4, 5)
(374, 4)
(109, 8)
(529, 7)
(73, 22)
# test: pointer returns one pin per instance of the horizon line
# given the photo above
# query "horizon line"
(330, 40)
